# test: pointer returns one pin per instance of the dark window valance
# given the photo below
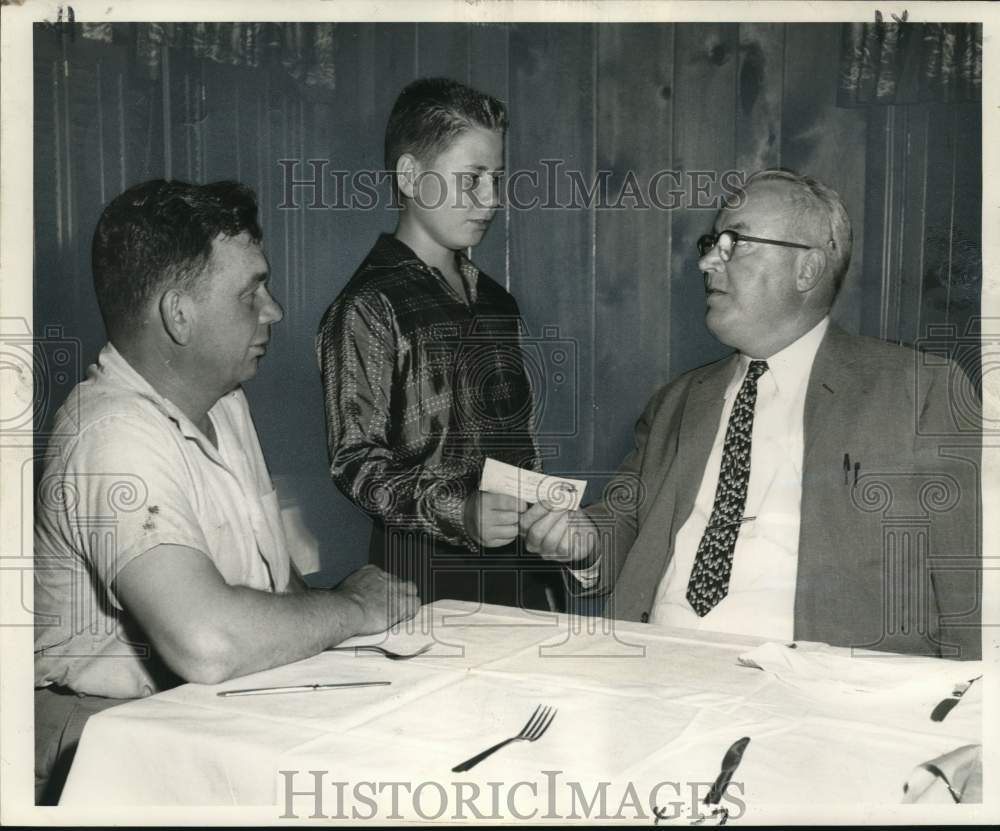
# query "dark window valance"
(908, 63)
(304, 50)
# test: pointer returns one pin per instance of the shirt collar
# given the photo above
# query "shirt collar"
(113, 368)
(392, 252)
(790, 367)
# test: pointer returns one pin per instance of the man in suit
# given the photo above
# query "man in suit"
(813, 485)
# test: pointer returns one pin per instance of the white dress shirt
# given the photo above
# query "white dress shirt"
(761, 597)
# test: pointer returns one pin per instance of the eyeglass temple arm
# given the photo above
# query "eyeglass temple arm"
(774, 241)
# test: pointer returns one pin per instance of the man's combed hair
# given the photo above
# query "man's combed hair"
(431, 112)
(158, 235)
(814, 199)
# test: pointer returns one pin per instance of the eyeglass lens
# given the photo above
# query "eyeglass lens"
(725, 241)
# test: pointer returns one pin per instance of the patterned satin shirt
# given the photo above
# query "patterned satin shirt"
(420, 386)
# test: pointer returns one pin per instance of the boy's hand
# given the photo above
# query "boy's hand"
(491, 518)
(568, 537)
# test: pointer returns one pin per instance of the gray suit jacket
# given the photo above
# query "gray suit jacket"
(891, 563)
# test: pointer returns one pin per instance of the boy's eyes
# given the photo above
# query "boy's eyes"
(471, 181)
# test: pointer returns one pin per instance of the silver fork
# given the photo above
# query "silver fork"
(532, 731)
(388, 653)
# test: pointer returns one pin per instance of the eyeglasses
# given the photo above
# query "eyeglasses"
(727, 240)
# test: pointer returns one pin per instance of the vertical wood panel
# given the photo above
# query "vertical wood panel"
(966, 259)
(489, 68)
(631, 343)
(822, 140)
(705, 64)
(393, 65)
(871, 257)
(759, 94)
(942, 151)
(442, 50)
(222, 136)
(552, 263)
(912, 232)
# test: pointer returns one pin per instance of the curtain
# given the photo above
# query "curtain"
(305, 51)
(907, 63)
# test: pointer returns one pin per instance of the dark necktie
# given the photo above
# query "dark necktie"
(713, 563)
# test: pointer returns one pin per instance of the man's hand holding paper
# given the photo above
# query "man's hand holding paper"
(555, 492)
(553, 526)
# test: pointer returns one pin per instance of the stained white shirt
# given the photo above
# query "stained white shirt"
(761, 597)
(130, 472)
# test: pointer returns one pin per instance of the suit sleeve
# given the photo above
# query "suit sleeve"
(616, 514)
(949, 437)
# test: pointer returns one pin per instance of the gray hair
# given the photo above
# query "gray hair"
(813, 196)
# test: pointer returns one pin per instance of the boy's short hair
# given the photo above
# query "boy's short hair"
(431, 112)
(158, 235)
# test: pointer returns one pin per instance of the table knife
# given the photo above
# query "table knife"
(946, 705)
(730, 762)
(301, 688)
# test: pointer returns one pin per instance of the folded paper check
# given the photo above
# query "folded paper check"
(554, 492)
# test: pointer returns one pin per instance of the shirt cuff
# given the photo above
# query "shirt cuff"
(587, 576)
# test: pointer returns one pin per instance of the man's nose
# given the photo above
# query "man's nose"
(271, 311)
(711, 261)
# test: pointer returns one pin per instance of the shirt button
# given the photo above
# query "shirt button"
(644, 617)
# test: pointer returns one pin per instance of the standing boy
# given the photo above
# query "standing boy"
(421, 364)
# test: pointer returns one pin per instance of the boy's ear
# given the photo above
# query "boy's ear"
(176, 314)
(407, 168)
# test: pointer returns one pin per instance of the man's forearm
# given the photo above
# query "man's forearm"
(257, 630)
(208, 631)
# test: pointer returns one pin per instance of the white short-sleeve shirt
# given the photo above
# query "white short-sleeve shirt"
(126, 472)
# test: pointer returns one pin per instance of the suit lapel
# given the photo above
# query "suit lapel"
(697, 434)
(675, 491)
(828, 382)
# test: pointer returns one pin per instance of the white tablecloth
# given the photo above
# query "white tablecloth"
(649, 711)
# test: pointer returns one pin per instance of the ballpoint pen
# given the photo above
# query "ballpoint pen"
(301, 688)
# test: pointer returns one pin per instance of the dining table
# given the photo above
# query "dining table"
(644, 721)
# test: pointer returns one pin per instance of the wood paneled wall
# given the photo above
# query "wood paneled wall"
(613, 296)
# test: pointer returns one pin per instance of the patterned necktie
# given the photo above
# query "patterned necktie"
(713, 563)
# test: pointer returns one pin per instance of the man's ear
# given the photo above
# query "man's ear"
(812, 267)
(407, 170)
(176, 314)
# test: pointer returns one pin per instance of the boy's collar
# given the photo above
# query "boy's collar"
(391, 251)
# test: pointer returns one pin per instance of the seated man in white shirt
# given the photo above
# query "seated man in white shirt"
(785, 491)
(159, 552)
